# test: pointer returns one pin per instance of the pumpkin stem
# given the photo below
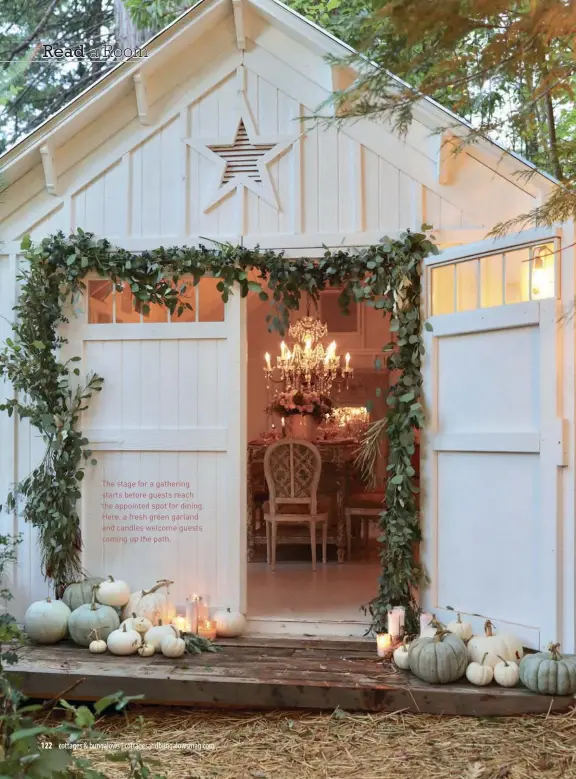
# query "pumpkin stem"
(176, 631)
(405, 643)
(94, 633)
(158, 586)
(500, 658)
(110, 578)
(48, 599)
(485, 655)
(440, 634)
(124, 627)
(436, 623)
(554, 650)
(488, 628)
(459, 618)
(93, 604)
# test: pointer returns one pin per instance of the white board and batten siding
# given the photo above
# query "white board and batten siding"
(166, 498)
(496, 460)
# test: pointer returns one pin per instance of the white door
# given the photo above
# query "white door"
(493, 447)
(166, 499)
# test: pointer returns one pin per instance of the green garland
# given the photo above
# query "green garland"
(386, 276)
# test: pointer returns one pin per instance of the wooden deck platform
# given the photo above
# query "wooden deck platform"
(268, 673)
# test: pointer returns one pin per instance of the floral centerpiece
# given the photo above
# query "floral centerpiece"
(304, 408)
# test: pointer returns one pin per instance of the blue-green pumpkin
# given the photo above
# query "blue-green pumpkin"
(440, 659)
(91, 620)
(548, 673)
(79, 593)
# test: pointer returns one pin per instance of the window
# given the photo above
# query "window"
(510, 277)
(107, 305)
(332, 315)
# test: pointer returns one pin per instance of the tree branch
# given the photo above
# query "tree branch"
(37, 30)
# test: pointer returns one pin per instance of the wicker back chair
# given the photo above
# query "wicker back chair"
(292, 469)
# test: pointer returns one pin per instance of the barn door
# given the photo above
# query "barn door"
(494, 442)
(166, 499)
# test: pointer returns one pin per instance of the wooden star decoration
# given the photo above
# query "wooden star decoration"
(242, 160)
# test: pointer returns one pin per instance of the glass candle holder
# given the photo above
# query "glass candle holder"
(383, 644)
(207, 629)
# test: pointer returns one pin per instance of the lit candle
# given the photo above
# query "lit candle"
(283, 422)
(394, 623)
(192, 613)
(383, 644)
(180, 623)
(207, 629)
(425, 625)
(267, 358)
(347, 358)
(283, 350)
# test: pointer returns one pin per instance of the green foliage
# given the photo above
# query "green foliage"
(33, 747)
(507, 66)
(51, 393)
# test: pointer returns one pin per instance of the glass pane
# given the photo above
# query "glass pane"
(517, 275)
(157, 313)
(491, 281)
(211, 306)
(443, 290)
(99, 302)
(125, 311)
(331, 314)
(467, 285)
(543, 271)
(188, 296)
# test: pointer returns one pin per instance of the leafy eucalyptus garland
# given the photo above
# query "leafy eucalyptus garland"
(52, 394)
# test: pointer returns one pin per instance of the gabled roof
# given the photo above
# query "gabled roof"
(118, 81)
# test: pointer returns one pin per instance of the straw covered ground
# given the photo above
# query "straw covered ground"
(296, 745)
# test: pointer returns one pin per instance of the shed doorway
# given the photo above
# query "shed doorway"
(290, 597)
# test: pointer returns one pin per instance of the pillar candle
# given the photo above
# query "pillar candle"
(192, 613)
(203, 611)
(402, 614)
(181, 624)
(207, 629)
(394, 623)
(425, 627)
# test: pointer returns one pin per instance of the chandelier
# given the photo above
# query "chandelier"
(307, 365)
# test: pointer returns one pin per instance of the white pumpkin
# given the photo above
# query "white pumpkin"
(46, 621)
(461, 629)
(124, 641)
(479, 673)
(139, 624)
(113, 592)
(146, 650)
(514, 647)
(229, 624)
(506, 673)
(98, 646)
(401, 655)
(154, 604)
(491, 647)
(173, 646)
(155, 635)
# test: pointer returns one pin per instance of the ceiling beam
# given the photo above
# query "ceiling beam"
(240, 23)
(142, 98)
(50, 173)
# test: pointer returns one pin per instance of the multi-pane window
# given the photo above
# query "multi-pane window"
(107, 305)
(500, 279)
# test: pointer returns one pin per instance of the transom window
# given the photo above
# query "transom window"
(108, 306)
(494, 280)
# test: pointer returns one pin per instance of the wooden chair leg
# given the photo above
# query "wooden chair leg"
(274, 528)
(313, 543)
(348, 534)
(268, 542)
(324, 541)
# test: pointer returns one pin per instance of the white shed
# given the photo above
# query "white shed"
(205, 139)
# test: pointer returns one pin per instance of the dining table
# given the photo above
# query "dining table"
(337, 456)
